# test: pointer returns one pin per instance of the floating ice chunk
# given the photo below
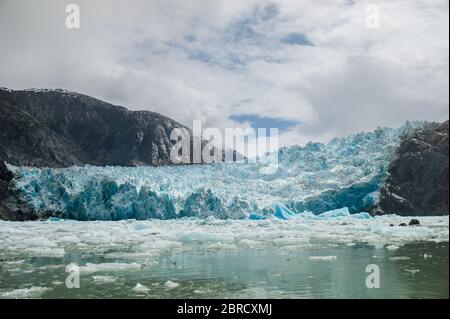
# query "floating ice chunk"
(341, 212)
(44, 252)
(205, 236)
(322, 258)
(57, 283)
(109, 267)
(104, 279)
(32, 292)
(292, 247)
(250, 243)
(392, 247)
(142, 226)
(362, 215)
(38, 242)
(398, 258)
(68, 239)
(222, 246)
(139, 288)
(287, 240)
(413, 271)
(14, 269)
(15, 262)
(171, 284)
(161, 244)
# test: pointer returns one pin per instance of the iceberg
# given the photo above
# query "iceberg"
(282, 212)
(109, 267)
(319, 180)
(342, 212)
(322, 258)
(25, 293)
(139, 288)
(171, 285)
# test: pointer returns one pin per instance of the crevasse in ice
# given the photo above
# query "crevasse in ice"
(341, 177)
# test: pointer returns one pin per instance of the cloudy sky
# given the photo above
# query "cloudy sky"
(312, 68)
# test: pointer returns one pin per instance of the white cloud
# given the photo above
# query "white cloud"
(209, 60)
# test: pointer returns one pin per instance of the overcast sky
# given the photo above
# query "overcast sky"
(312, 67)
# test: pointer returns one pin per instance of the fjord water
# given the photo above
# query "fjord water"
(193, 258)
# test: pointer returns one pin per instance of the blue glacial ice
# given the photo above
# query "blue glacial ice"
(318, 180)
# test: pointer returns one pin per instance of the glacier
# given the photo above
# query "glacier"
(318, 180)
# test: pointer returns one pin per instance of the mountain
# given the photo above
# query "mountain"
(417, 182)
(58, 128)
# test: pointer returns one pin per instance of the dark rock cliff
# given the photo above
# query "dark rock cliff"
(418, 181)
(12, 207)
(56, 128)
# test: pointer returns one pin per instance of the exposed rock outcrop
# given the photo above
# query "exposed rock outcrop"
(418, 177)
(57, 128)
(12, 206)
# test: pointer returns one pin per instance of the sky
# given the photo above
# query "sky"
(314, 69)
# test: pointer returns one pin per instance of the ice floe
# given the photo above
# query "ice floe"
(171, 284)
(322, 258)
(32, 292)
(104, 279)
(109, 267)
(129, 245)
(139, 288)
(397, 258)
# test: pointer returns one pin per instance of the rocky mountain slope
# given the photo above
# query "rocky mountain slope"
(56, 128)
(12, 206)
(418, 177)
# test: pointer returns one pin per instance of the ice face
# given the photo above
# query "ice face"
(341, 177)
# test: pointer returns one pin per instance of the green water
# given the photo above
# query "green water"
(420, 272)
